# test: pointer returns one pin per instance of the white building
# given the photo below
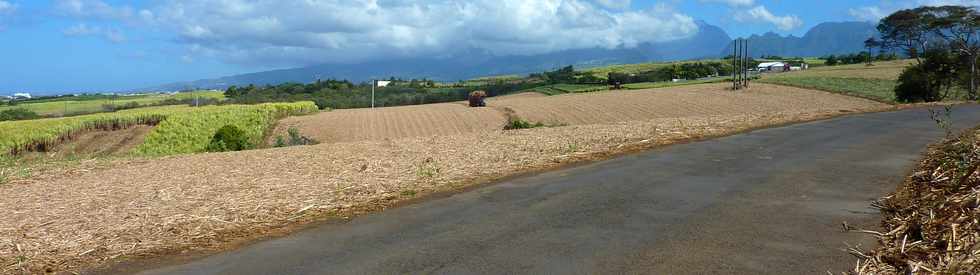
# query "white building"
(772, 67)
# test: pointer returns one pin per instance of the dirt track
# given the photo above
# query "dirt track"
(76, 217)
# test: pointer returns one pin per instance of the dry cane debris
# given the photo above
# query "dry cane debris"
(930, 224)
(76, 218)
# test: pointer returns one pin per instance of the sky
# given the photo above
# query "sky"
(66, 46)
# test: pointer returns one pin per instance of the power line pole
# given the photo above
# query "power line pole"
(373, 84)
(735, 65)
(745, 57)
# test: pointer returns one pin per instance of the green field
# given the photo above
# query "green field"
(603, 72)
(86, 105)
(556, 89)
(876, 82)
(876, 89)
(180, 129)
(655, 85)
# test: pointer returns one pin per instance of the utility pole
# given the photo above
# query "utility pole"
(373, 83)
(745, 69)
(740, 64)
(735, 65)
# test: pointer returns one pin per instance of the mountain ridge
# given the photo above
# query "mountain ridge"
(710, 42)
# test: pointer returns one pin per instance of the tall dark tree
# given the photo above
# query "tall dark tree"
(871, 43)
(905, 29)
(959, 27)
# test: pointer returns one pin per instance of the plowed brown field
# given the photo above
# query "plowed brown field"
(394, 122)
(571, 109)
(683, 101)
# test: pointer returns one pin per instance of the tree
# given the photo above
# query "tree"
(232, 91)
(930, 80)
(958, 26)
(831, 60)
(871, 43)
(905, 29)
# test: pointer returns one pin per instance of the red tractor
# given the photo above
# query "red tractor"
(477, 99)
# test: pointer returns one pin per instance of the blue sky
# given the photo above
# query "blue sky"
(104, 45)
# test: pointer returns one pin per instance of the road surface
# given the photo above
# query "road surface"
(770, 201)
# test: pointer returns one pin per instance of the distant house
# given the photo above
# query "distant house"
(772, 67)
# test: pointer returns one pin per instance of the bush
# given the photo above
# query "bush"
(18, 114)
(929, 81)
(519, 123)
(229, 138)
(913, 86)
(321, 103)
(294, 139)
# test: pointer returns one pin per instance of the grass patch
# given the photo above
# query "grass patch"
(603, 72)
(515, 123)
(428, 169)
(580, 88)
(655, 85)
(875, 89)
(81, 105)
(557, 89)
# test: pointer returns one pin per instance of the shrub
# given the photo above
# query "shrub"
(913, 86)
(229, 138)
(18, 114)
(294, 139)
(321, 103)
(280, 142)
(519, 123)
(929, 81)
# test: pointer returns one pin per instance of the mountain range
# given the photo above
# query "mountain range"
(821, 40)
(709, 42)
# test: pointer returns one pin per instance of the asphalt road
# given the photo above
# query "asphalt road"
(770, 201)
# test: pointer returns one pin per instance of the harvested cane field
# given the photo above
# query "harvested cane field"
(570, 109)
(394, 122)
(682, 101)
(72, 218)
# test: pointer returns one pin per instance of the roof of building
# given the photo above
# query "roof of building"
(770, 64)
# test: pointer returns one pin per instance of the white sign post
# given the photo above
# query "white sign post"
(377, 83)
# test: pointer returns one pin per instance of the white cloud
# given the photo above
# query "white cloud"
(92, 9)
(875, 13)
(870, 13)
(7, 7)
(760, 13)
(112, 35)
(948, 2)
(733, 3)
(313, 32)
(614, 4)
